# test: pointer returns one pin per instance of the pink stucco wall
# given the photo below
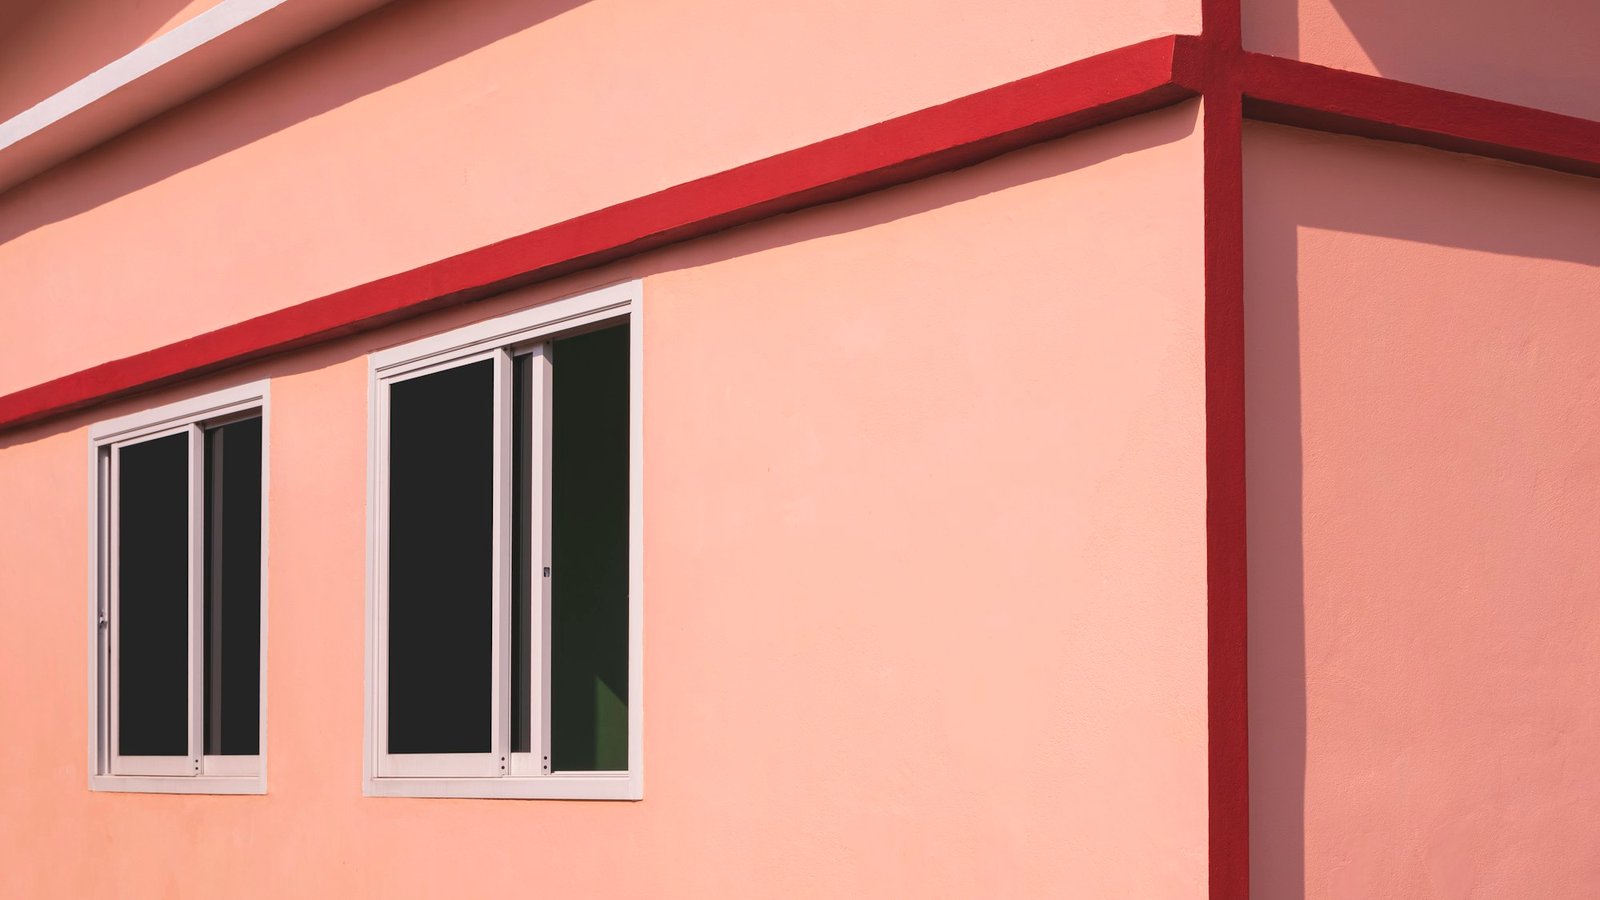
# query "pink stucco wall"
(1542, 53)
(418, 131)
(925, 576)
(49, 44)
(1424, 475)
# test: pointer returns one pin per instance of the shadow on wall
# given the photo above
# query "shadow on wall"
(1542, 53)
(34, 34)
(352, 61)
(1010, 170)
(1488, 217)
(1274, 513)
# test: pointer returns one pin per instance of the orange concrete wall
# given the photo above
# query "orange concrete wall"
(1424, 465)
(425, 129)
(1542, 53)
(925, 578)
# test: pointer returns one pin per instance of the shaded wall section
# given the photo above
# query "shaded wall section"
(1540, 53)
(1424, 464)
(46, 45)
(925, 577)
(431, 127)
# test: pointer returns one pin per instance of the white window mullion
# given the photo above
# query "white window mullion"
(500, 663)
(544, 407)
(537, 691)
(197, 564)
(105, 559)
(111, 625)
(380, 577)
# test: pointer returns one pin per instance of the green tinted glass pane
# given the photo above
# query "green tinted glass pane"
(589, 535)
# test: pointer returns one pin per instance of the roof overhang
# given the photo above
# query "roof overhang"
(221, 43)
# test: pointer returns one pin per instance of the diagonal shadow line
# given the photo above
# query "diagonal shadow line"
(34, 65)
(306, 82)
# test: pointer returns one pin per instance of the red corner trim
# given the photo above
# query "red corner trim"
(1311, 96)
(1227, 581)
(1083, 94)
(1221, 22)
(1227, 706)
(1227, 609)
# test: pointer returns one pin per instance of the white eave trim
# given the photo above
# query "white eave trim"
(203, 28)
(220, 43)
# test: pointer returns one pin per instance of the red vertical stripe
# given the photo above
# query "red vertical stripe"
(1227, 707)
(1228, 747)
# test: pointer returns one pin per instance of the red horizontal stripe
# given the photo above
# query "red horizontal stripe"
(1093, 91)
(1310, 96)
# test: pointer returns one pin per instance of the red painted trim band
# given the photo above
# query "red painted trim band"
(1227, 609)
(1115, 85)
(1311, 96)
(1094, 91)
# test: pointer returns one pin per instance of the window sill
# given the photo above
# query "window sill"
(572, 786)
(179, 784)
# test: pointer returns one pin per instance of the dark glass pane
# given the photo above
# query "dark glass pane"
(589, 532)
(441, 536)
(153, 598)
(233, 589)
(521, 554)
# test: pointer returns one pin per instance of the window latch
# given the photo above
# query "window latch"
(102, 620)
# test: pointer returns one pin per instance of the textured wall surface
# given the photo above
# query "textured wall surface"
(428, 128)
(924, 578)
(1542, 53)
(50, 44)
(1424, 465)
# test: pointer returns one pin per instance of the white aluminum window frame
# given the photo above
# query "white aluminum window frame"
(501, 773)
(196, 772)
